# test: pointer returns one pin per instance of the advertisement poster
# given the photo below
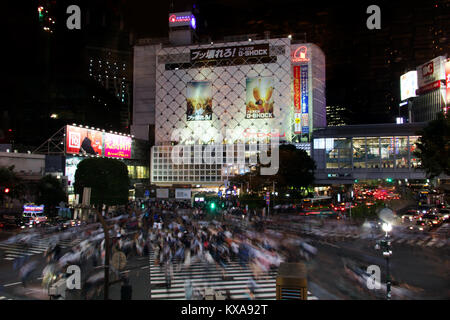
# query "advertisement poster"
(117, 146)
(220, 53)
(408, 85)
(199, 101)
(84, 141)
(259, 100)
(447, 81)
(297, 104)
(304, 98)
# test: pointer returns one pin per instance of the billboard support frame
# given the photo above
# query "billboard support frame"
(56, 144)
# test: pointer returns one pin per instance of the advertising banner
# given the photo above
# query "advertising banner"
(247, 51)
(259, 100)
(94, 142)
(199, 101)
(84, 141)
(179, 19)
(117, 146)
(297, 123)
(431, 72)
(297, 94)
(33, 209)
(447, 81)
(162, 193)
(304, 97)
(408, 85)
(182, 193)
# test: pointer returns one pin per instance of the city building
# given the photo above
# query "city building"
(366, 152)
(336, 116)
(234, 95)
(424, 91)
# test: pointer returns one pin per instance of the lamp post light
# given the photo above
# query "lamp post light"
(385, 245)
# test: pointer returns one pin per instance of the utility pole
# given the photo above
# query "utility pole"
(107, 242)
(385, 245)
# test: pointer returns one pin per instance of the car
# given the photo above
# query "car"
(433, 219)
(410, 215)
(421, 225)
(36, 219)
(444, 214)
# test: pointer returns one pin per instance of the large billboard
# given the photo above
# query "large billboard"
(259, 98)
(408, 85)
(117, 146)
(93, 142)
(199, 100)
(430, 74)
(247, 51)
(84, 141)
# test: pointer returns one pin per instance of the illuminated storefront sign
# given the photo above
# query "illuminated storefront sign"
(430, 73)
(181, 19)
(208, 54)
(299, 54)
(297, 102)
(93, 142)
(304, 98)
(33, 209)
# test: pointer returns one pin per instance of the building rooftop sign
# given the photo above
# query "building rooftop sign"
(180, 19)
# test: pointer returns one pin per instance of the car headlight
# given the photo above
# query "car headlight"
(421, 228)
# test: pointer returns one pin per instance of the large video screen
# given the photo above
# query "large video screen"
(94, 142)
(199, 101)
(259, 99)
(117, 146)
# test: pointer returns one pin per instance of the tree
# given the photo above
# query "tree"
(107, 178)
(50, 192)
(296, 170)
(11, 182)
(109, 183)
(433, 147)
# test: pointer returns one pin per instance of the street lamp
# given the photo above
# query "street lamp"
(385, 245)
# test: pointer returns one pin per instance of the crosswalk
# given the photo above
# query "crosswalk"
(14, 251)
(435, 240)
(203, 275)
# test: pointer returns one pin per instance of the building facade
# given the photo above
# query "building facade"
(233, 95)
(366, 152)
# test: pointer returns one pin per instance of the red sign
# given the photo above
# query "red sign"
(248, 134)
(297, 102)
(429, 87)
(447, 81)
(86, 141)
(299, 54)
(428, 69)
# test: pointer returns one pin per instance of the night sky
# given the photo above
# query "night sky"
(363, 66)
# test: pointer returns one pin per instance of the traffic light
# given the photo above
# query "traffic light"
(388, 179)
(356, 180)
(7, 190)
(212, 205)
(142, 206)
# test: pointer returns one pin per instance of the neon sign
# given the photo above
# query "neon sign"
(182, 19)
(299, 54)
(173, 18)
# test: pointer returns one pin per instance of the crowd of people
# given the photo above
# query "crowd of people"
(177, 236)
